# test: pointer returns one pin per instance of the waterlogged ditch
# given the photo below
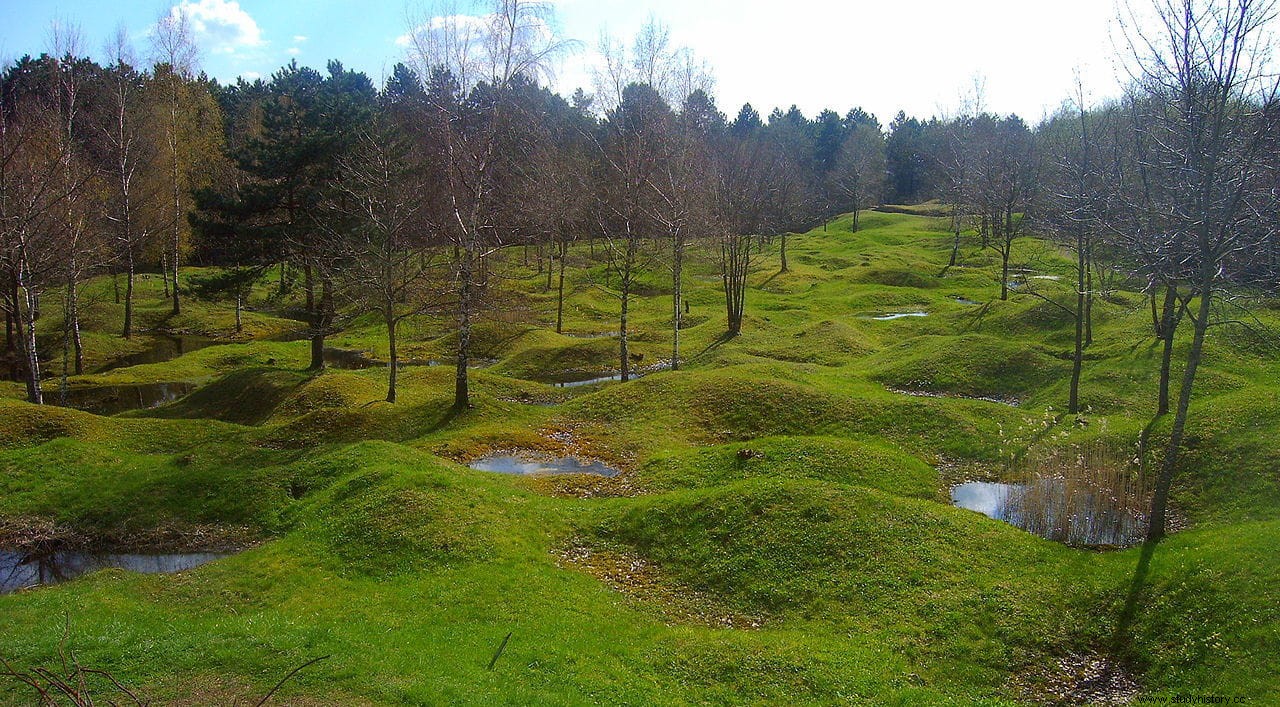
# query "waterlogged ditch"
(111, 399)
(165, 347)
(573, 380)
(896, 315)
(1056, 510)
(20, 570)
(508, 464)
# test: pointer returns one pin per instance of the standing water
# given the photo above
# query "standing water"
(111, 399)
(164, 348)
(19, 571)
(1055, 510)
(527, 467)
(899, 315)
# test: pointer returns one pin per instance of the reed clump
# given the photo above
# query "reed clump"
(1082, 495)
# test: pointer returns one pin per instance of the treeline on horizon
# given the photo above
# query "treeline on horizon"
(395, 199)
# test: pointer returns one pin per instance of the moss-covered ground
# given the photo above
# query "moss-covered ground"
(781, 531)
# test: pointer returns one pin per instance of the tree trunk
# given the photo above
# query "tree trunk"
(783, 252)
(461, 390)
(1004, 274)
(321, 319)
(1155, 313)
(626, 277)
(1006, 239)
(28, 311)
(1160, 500)
(239, 307)
(855, 220)
(677, 294)
(176, 244)
(1088, 300)
(625, 367)
(73, 312)
(1077, 359)
(128, 294)
(735, 261)
(564, 249)
(1168, 328)
(164, 271)
(394, 364)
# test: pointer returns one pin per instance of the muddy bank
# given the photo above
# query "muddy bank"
(41, 535)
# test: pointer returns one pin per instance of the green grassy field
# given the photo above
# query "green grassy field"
(781, 531)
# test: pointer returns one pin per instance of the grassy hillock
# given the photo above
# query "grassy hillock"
(780, 531)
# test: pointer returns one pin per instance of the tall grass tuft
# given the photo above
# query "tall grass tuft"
(1082, 495)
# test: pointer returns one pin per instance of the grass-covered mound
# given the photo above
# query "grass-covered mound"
(969, 365)
(835, 459)
(784, 546)
(246, 397)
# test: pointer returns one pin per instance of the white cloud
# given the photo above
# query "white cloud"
(299, 38)
(464, 23)
(221, 25)
(250, 76)
(293, 51)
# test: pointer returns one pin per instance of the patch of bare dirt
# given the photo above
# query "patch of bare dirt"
(643, 582)
(1079, 680)
(35, 535)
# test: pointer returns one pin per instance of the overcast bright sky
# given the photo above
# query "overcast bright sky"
(916, 55)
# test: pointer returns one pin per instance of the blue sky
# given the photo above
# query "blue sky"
(917, 55)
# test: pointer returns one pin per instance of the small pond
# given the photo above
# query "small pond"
(18, 570)
(573, 380)
(588, 381)
(111, 399)
(898, 315)
(529, 467)
(354, 360)
(348, 360)
(163, 348)
(590, 335)
(1047, 508)
(965, 300)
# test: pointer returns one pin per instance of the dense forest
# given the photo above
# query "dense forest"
(430, 197)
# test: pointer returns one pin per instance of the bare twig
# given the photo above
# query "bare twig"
(285, 679)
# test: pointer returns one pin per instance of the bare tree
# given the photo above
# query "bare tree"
(674, 72)
(1003, 167)
(685, 187)
(76, 169)
(1207, 97)
(35, 196)
(481, 57)
(1079, 184)
(859, 172)
(561, 191)
(379, 230)
(135, 207)
(757, 195)
(175, 55)
(633, 153)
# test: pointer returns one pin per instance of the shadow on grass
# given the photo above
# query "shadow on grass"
(974, 318)
(717, 343)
